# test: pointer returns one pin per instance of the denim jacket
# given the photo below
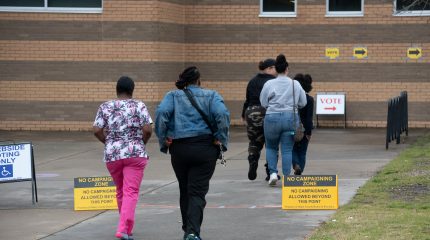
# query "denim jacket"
(176, 118)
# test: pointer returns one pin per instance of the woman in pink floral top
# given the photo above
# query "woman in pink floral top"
(124, 126)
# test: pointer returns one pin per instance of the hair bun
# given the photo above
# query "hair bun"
(281, 63)
(281, 59)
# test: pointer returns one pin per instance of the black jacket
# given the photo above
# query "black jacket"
(253, 90)
(306, 115)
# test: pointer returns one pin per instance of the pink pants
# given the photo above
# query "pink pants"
(127, 175)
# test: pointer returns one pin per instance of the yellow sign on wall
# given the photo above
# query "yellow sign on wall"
(360, 52)
(415, 53)
(332, 53)
(309, 192)
(94, 193)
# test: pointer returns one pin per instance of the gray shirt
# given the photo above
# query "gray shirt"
(277, 95)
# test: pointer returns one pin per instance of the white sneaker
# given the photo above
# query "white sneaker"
(273, 179)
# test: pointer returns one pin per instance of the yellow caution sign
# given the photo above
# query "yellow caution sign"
(94, 193)
(332, 53)
(360, 53)
(415, 53)
(310, 192)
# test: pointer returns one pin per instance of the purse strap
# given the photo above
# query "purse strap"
(193, 102)
(294, 104)
(205, 118)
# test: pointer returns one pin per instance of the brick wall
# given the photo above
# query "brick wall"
(56, 68)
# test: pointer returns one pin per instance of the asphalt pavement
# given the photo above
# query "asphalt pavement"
(237, 208)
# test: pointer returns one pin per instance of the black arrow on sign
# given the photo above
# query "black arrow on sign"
(416, 52)
(362, 52)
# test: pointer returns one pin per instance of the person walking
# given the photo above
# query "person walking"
(277, 98)
(123, 125)
(253, 114)
(306, 116)
(193, 143)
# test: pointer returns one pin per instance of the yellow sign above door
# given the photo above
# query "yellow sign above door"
(360, 52)
(332, 53)
(415, 53)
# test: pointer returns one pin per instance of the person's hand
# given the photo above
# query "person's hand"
(217, 142)
(308, 137)
(168, 142)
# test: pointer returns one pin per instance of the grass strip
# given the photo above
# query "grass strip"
(394, 204)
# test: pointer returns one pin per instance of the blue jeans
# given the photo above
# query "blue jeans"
(278, 129)
(299, 152)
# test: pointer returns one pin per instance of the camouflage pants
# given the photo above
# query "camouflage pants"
(254, 116)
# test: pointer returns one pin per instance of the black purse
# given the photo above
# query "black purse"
(299, 131)
(206, 119)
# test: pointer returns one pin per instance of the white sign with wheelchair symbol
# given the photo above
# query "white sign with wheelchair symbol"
(15, 162)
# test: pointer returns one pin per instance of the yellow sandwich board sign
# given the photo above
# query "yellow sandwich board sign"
(332, 53)
(415, 53)
(309, 192)
(94, 193)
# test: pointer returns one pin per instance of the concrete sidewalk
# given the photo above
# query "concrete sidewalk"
(237, 208)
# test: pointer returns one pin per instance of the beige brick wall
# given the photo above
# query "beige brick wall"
(76, 91)
(231, 91)
(368, 124)
(299, 53)
(46, 125)
(115, 51)
(118, 51)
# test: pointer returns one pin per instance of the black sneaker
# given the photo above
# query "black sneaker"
(267, 172)
(297, 170)
(252, 173)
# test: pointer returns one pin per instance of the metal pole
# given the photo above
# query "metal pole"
(34, 182)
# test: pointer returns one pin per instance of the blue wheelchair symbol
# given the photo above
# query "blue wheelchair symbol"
(6, 171)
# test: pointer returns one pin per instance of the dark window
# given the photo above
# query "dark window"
(22, 3)
(75, 3)
(344, 5)
(278, 5)
(52, 3)
(412, 5)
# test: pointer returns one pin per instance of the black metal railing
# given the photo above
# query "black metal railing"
(397, 118)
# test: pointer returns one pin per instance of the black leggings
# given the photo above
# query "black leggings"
(193, 160)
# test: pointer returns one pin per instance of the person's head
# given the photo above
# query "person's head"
(125, 86)
(281, 64)
(268, 66)
(189, 76)
(305, 81)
